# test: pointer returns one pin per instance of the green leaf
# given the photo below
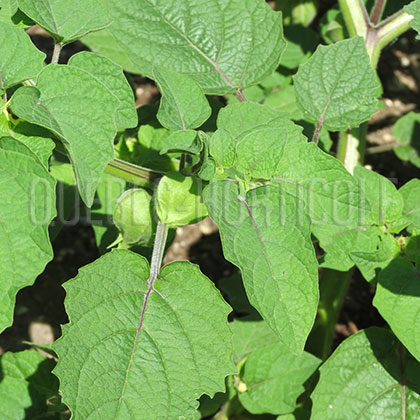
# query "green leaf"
(337, 87)
(383, 197)
(28, 206)
(209, 48)
(178, 200)
(182, 141)
(268, 238)
(35, 138)
(252, 136)
(332, 195)
(19, 58)
(249, 336)
(410, 193)
(412, 249)
(7, 9)
(332, 26)
(301, 42)
(147, 151)
(414, 9)
(183, 104)
(299, 414)
(112, 78)
(67, 20)
(301, 12)
(103, 42)
(67, 195)
(208, 169)
(368, 377)
(259, 154)
(133, 216)
(274, 379)
(26, 384)
(371, 262)
(109, 190)
(335, 202)
(345, 246)
(163, 336)
(407, 132)
(243, 118)
(80, 110)
(284, 100)
(223, 148)
(398, 300)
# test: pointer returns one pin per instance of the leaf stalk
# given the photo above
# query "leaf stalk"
(56, 53)
(158, 251)
(130, 172)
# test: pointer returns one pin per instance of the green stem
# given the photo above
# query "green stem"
(388, 30)
(383, 147)
(333, 288)
(352, 147)
(158, 251)
(351, 152)
(355, 16)
(352, 143)
(56, 53)
(132, 173)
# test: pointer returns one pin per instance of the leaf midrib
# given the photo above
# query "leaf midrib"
(195, 47)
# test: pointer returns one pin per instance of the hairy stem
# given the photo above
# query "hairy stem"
(377, 11)
(388, 30)
(355, 16)
(132, 173)
(158, 251)
(137, 175)
(56, 53)
(351, 147)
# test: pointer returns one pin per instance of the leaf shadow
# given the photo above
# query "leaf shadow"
(408, 283)
(395, 359)
(41, 386)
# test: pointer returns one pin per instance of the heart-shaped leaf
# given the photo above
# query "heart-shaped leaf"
(19, 58)
(81, 112)
(28, 206)
(209, 48)
(267, 235)
(139, 349)
(67, 20)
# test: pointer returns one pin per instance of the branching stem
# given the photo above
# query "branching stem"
(240, 95)
(351, 151)
(352, 143)
(355, 16)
